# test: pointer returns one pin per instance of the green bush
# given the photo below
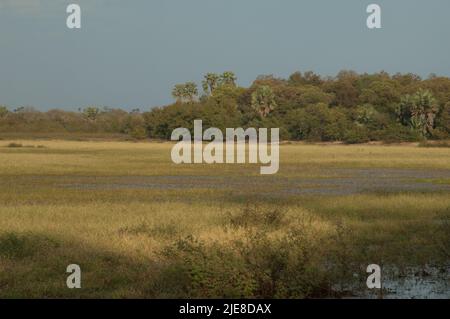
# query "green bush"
(257, 216)
(14, 145)
(256, 266)
(20, 246)
(138, 133)
(435, 144)
(398, 133)
(356, 135)
(195, 270)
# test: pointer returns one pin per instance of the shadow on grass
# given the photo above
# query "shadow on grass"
(271, 255)
(34, 266)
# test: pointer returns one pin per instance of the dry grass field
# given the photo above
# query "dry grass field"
(141, 226)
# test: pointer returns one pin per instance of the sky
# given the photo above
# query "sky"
(129, 54)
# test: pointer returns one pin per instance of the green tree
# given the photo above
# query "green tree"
(345, 91)
(419, 111)
(186, 92)
(263, 100)
(178, 92)
(443, 121)
(309, 77)
(191, 91)
(210, 83)
(228, 78)
(91, 113)
(384, 95)
(3, 111)
(318, 123)
(365, 114)
(404, 110)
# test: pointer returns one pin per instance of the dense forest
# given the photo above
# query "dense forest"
(350, 107)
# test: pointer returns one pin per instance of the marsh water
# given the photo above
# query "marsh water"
(328, 182)
(410, 283)
(427, 282)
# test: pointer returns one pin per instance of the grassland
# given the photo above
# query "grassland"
(140, 226)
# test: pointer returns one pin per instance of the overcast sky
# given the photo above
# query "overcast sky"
(130, 53)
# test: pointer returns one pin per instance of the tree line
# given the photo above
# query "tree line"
(349, 107)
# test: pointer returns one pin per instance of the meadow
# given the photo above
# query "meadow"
(142, 227)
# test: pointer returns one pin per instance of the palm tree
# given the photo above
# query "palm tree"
(186, 92)
(263, 100)
(419, 111)
(228, 78)
(91, 112)
(190, 91)
(210, 82)
(177, 92)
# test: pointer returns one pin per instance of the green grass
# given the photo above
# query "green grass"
(439, 181)
(435, 144)
(205, 242)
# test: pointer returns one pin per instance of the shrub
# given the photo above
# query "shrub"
(259, 265)
(398, 133)
(3, 111)
(357, 135)
(257, 216)
(161, 231)
(196, 270)
(138, 133)
(19, 246)
(14, 145)
(440, 134)
(436, 144)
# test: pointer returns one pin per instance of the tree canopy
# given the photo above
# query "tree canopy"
(349, 107)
